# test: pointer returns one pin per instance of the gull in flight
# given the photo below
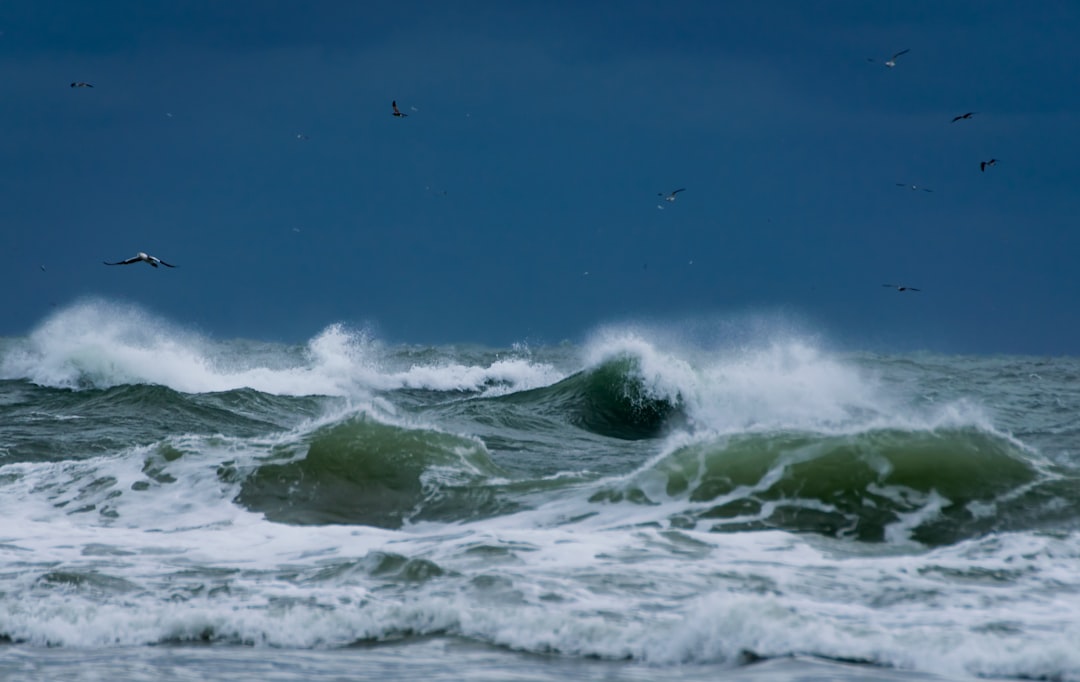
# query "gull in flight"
(983, 165)
(140, 256)
(964, 117)
(913, 187)
(891, 61)
(397, 112)
(670, 196)
(81, 84)
(900, 287)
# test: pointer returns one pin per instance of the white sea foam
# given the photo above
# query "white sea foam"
(781, 382)
(580, 579)
(101, 344)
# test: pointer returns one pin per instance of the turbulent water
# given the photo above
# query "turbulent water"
(643, 505)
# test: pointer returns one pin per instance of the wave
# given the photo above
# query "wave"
(100, 344)
(612, 399)
(934, 487)
(368, 472)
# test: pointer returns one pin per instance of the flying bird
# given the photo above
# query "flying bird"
(913, 187)
(301, 136)
(900, 287)
(891, 61)
(81, 84)
(397, 112)
(984, 164)
(152, 260)
(963, 117)
(670, 196)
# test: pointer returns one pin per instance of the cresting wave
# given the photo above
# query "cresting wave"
(98, 344)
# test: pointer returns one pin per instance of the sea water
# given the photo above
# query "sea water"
(644, 504)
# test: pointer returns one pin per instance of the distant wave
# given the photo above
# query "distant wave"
(99, 344)
(611, 399)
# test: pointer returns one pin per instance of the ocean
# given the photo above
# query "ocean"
(649, 503)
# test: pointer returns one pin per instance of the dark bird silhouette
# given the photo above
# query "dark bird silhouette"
(984, 164)
(397, 112)
(891, 61)
(900, 287)
(671, 195)
(964, 117)
(81, 84)
(140, 256)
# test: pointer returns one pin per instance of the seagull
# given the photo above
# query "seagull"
(140, 256)
(671, 196)
(913, 187)
(962, 117)
(80, 84)
(900, 287)
(301, 136)
(397, 112)
(983, 164)
(891, 61)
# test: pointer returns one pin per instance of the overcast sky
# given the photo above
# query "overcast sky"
(251, 143)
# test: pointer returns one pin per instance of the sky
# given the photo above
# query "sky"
(251, 143)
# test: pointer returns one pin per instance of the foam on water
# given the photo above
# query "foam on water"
(608, 581)
(101, 344)
(784, 382)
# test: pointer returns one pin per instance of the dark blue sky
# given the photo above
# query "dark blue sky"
(538, 137)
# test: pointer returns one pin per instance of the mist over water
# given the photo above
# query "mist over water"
(650, 497)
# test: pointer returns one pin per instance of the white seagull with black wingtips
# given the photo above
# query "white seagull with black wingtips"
(891, 61)
(145, 258)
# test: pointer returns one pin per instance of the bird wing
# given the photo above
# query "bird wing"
(904, 51)
(913, 289)
(681, 189)
(129, 261)
(168, 265)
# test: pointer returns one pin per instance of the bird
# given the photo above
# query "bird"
(397, 112)
(81, 84)
(670, 196)
(140, 256)
(301, 136)
(900, 287)
(913, 187)
(891, 61)
(984, 164)
(963, 117)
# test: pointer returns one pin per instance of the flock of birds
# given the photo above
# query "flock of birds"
(154, 261)
(966, 116)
